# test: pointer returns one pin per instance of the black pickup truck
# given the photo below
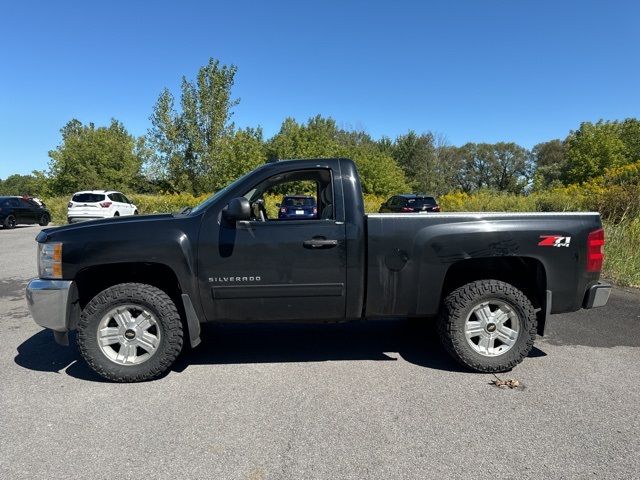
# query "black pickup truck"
(135, 287)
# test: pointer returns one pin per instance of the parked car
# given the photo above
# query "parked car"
(20, 210)
(96, 204)
(410, 203)
(137, 288)
(297, 207)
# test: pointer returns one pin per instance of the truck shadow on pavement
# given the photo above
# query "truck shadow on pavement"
(381, 340)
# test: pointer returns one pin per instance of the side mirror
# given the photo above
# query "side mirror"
(237, 210)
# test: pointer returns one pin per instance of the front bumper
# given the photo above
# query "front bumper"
(54, 304)
(597, 295)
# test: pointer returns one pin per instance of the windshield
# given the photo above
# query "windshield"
(218, 194)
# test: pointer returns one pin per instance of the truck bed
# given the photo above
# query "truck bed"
(412, 257)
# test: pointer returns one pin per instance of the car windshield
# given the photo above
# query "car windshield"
(88, 197)
(299, 202)
(420, 202)
(209, 200)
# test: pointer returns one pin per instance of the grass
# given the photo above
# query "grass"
(622, 252)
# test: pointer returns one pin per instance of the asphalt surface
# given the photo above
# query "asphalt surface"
(356, 401)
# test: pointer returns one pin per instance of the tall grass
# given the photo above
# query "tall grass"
(622, 252)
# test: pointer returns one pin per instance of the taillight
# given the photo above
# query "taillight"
(595, 253)
(105, 204)
(283, 210)
(407, 209)
(70, 204)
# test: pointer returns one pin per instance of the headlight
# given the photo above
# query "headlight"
(50, 260)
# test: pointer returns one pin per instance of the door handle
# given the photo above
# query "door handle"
(318, 243)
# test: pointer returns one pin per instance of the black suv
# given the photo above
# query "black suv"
(17, 210)
(409, 203)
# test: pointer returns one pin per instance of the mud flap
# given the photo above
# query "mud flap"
(544, 312)
(192, 321)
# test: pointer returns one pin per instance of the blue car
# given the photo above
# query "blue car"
(298, 207)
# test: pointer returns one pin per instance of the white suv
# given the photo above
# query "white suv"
(95, 204)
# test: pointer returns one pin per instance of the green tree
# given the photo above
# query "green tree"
(94, 158)
(593, 148)
(503, 166)
(188, 146)
(630, 135)
(416, 155)
(321, 138)
(510, 169)
(243, 151)
(550, 163)
(34, 185)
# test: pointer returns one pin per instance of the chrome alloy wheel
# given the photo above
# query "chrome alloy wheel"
(128, 334)
(492, 328)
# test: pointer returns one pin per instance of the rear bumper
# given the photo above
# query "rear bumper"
(597, 295)
(82, 219)
(53, 304)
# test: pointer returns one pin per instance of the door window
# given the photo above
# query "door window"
(298, 195)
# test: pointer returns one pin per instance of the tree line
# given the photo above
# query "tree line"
(194, 146)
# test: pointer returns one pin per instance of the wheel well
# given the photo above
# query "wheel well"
(525, 273)
(93, 280)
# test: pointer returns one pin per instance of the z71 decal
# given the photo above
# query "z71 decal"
(554, 241)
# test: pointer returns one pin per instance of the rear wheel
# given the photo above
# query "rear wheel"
(9, 222)
(130, 332)
(488, 325)
(44, 220)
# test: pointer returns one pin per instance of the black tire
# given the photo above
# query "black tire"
(135, 212)
(459, 304)
(168, 321)
(9, 222)
(116, 214)
(44, 220)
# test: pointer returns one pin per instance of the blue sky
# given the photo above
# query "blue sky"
(523, 71)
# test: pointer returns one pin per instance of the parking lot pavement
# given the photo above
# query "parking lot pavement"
(354, 401)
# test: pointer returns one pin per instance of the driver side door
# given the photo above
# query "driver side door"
(289, 270)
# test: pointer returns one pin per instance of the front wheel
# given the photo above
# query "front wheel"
(488, 325)
(130, 332)
(44, 220)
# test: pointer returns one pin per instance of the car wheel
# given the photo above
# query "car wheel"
(10, 222)
(116, 214)
(44, 220)
(130, 332)
(487, 325)
(135, 212)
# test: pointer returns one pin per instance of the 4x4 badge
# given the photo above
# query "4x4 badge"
(554, 241)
